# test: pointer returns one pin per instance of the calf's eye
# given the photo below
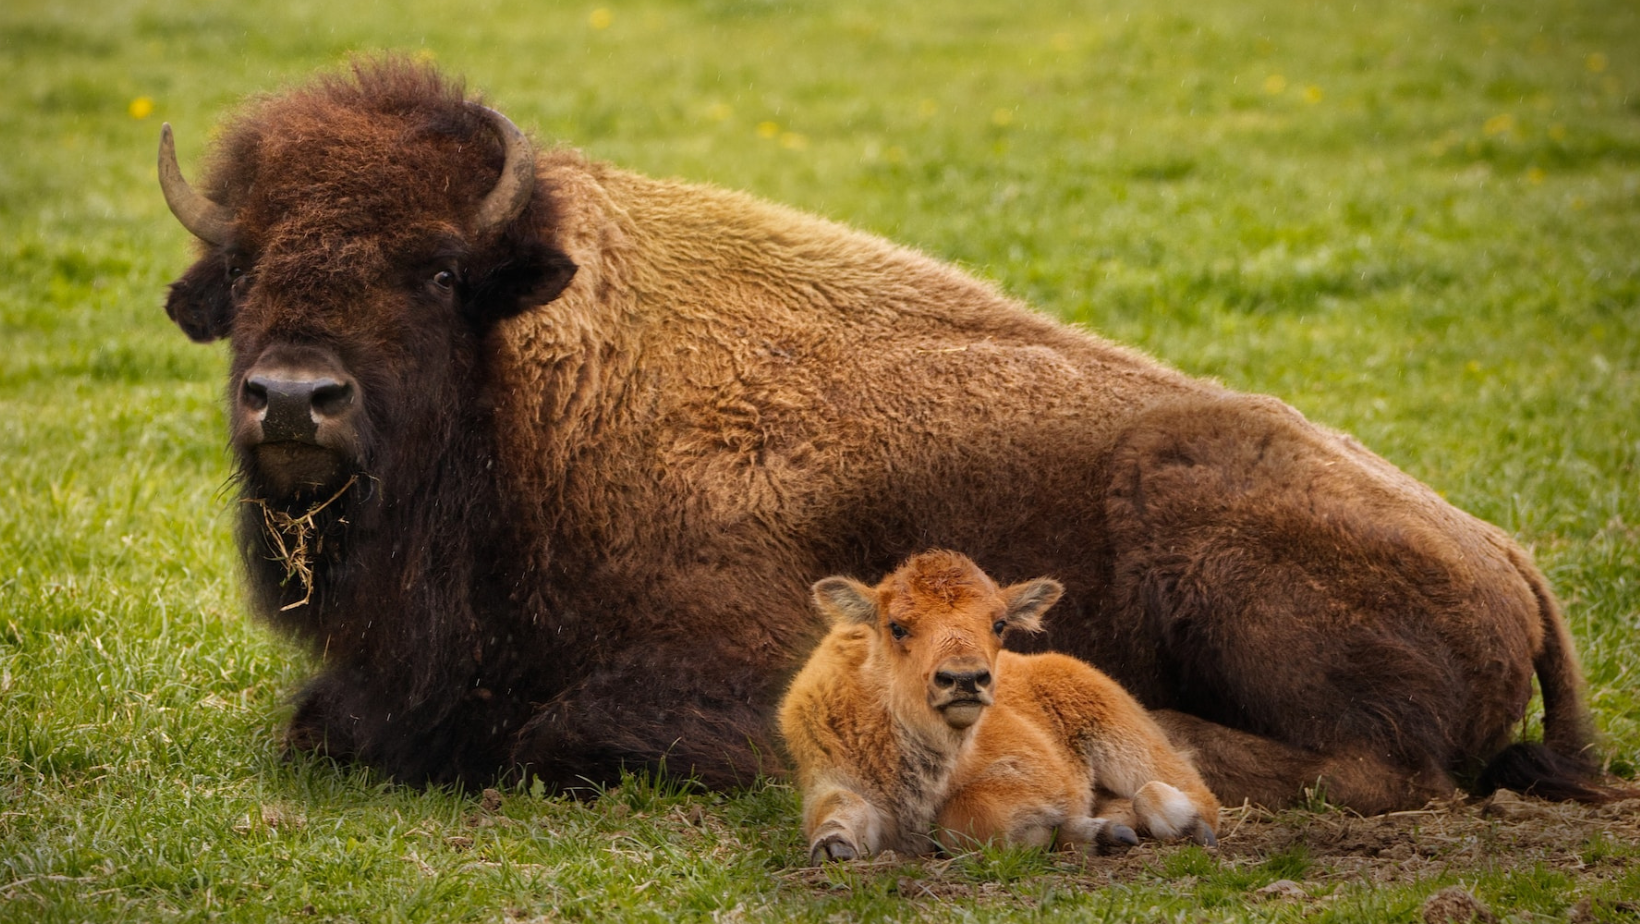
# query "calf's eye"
(898, 631)
(1000, 626)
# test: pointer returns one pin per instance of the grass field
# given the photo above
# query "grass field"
(1419, 222)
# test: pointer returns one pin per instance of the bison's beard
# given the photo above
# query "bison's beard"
(291, 473)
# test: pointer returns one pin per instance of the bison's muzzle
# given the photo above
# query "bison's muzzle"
(296, 416)
(292, 409)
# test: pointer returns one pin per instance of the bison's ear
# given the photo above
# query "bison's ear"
(1028, 601)
(845, 600)
(201, 302)
(534, 274)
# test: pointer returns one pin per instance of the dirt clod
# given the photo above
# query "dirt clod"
(1510, 807)
(1281, 888)
(1454, 905)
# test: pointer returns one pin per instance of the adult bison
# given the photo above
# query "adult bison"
(541, 457)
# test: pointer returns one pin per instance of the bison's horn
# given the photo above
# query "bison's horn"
(512, 191)
(207, 220)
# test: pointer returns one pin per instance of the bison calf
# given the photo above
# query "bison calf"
(910, 718)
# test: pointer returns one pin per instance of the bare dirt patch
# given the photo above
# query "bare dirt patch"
(1454, 839)
(1505, 830)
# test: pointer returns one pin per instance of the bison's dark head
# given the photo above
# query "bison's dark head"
(362, 236)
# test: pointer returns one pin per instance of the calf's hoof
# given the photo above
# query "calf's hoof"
(1114, 839)
(1168, 814)
(832, 847)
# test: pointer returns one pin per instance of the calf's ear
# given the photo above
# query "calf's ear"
(201, 302)
(845, 600)
(1028, 601)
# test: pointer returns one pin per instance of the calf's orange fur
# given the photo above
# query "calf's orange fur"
(910, 726)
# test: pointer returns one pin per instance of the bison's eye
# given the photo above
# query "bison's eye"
(239, 281)
(898, 631)
(444, 280)
(1000, 626)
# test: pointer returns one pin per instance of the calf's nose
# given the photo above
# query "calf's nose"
(291, 407)
(963, 681)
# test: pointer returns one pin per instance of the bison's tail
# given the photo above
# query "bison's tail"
(1562, 767)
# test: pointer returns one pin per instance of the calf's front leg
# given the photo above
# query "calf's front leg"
(841, 824)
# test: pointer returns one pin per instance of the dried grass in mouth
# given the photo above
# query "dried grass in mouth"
(291, 537)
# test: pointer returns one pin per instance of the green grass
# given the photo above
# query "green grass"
(1417, 222)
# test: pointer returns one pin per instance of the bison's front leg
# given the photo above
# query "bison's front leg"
(691, 715)
(321, 724)
(352, 713)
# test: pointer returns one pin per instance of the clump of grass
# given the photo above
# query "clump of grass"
(293, 541)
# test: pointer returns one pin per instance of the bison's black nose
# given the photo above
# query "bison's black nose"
(291, 407)
(963, 681)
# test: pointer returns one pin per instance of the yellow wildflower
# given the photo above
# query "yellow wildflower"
(1501, 124)
(1595, 62)
(719, 112)
(600, 18)
(1312, 94)
(141, 108)
(792, 141)
(1002, 117)
(1536, 176)
(1275, 84)
(768, 129)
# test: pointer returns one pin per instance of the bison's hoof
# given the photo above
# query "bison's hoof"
(832, 847)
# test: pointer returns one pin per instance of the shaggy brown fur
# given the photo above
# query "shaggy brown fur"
(603, 452)
(909, 720)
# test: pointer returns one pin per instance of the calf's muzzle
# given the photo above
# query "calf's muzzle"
(960, 690)
(969, 682)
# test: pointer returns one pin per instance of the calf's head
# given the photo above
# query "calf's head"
(360, 237)
(938, 624)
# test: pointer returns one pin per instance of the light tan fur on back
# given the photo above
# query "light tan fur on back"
(909, 724)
